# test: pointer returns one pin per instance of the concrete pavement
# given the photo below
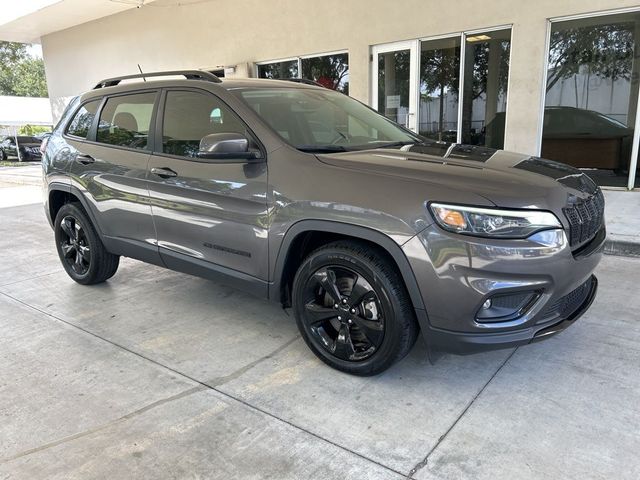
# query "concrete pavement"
(156, 374)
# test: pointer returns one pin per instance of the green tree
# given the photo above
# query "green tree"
(20, 74)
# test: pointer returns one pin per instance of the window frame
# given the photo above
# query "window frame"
(91, 136)
(93, 133)
(159, 130)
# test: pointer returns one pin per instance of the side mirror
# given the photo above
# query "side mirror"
(225, 146)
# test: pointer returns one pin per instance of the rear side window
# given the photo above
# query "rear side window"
(191, 116)
(81, 123)
(125, 121)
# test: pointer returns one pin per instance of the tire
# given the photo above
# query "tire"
(3, 155)
(80, 249)
(371, 324)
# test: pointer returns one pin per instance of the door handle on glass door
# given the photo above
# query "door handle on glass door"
(164, 172)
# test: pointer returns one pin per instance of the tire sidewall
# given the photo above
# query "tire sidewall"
(386, 354)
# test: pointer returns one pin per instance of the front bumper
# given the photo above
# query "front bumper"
(466, 343)
(457, 274)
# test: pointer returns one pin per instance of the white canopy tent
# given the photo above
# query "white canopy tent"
(18, 111)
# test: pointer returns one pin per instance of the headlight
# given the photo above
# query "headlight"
(488, 222)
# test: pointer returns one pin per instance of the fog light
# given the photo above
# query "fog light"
(504, 307)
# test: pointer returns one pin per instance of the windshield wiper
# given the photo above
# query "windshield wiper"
(399, 144)
(321, 148)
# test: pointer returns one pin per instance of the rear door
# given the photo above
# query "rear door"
(110, 169)
(209, 213)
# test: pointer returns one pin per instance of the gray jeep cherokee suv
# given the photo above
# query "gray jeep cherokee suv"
(309, 198)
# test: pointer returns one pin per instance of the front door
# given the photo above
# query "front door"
(208, 213)
(394, 87)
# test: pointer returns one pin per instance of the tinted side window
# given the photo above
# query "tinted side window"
(190, 116)
(81, 123)
(125, 121)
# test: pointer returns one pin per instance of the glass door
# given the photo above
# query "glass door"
(394, 88)
(591, 108)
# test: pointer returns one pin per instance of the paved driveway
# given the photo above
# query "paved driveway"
(156, 374)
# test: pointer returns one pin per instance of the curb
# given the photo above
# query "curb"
(622, 248)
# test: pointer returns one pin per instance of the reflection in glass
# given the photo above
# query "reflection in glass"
(439, 87)
(486, 75)
(592, 95)
(286, 69)
(330, 71)
(393, 85)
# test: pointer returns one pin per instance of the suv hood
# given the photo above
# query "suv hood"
(506, 179)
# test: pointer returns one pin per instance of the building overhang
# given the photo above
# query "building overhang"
(27, 22)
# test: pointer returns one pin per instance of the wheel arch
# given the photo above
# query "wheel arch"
(60, 194)
(306, 235)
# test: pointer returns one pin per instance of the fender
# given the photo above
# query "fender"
(380, 239)
(75, 191)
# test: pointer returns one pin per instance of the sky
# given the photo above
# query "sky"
(35, 50)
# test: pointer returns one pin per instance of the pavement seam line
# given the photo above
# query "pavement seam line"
(424, 462)
(28, 279)
(211, 387)
(98, 428)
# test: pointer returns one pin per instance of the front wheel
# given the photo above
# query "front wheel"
(3, 155)
(80, 249)
(352, 308)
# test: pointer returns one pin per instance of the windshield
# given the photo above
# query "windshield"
(324, 120)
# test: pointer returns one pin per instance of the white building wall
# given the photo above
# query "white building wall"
(228, 32)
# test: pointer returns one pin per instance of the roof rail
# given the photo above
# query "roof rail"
(188, 74)
(306, 81)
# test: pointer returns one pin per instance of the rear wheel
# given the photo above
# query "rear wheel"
(3, 155)
(80, 249)
(352, 308)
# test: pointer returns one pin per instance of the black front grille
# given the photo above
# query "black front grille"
(585, 218)
(565, 306)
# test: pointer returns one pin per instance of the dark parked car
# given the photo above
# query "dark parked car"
(28, 148)
(582, 138)
(304, 196)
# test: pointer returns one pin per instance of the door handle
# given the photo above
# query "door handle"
(164, 172)
(85, 159)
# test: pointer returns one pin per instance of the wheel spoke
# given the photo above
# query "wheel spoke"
(85, 252)
(316, 314)
(360, 292)
(67, 249)
(77, 266)
(373, 330)
(343, 347)
(68, 228)
(327, 279)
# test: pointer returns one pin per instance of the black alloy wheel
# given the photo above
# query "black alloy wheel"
(81, 251)
(74, 245)
(352, 308)
(343, 312)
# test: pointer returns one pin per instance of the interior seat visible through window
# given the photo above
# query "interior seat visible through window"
(125, 120)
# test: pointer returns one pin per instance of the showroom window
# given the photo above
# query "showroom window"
(331, 70)
(125, 120)
(591, 98)
(451, 89)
